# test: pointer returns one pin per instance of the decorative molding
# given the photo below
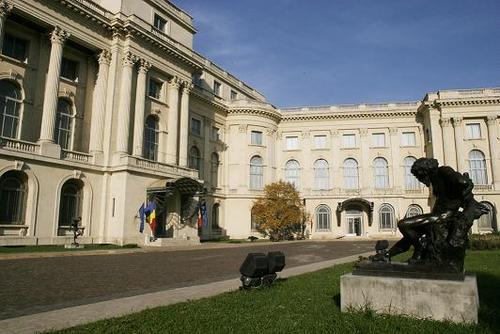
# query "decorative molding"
(59, 35)
(445, 122)
(104, 57)
(287, 117)
(363, 132)
(334, 133)
(67, 93)
(5, 8)
(457, 121)
(306, 134)
(393, 131)
(453, 103)
(77, 174)
(187, 87)
(270, 132)
(491, 119)
(272, 115)
(242, 128)
(129, 59)
(18, 165)
(144, 66)
(174, 82)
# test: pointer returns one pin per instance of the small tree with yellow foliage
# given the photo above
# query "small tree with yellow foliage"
(280, 214)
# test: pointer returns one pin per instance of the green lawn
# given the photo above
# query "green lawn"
(302, 304)
(59, 248)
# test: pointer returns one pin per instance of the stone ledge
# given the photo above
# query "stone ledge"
(422, 298)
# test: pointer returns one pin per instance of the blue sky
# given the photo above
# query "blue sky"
(321, 52)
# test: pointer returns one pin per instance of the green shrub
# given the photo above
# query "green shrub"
(485, 241)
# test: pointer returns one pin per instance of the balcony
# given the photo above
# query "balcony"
(151, 165)
(76, 156)
(19, 145)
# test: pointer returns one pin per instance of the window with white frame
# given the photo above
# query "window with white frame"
(386, 217)
(292, 172)
(349, 140)
(15, 47)
(10, 105)
(234, 95)
(413, 210)
(195, 126)
(321, 175)
(408, 139)
(217, 88)
(64, 123)
(70, 206)
(256, 138)
(381, 173)
(256, 173)
(473, 130)
(160, 23)
(411, 182)
(378, 140)
(292, 143)
(151, 138)
(351, 174)
(477, 167)
(323, 218)
(320, 141)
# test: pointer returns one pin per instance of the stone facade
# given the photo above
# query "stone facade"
(105, 105)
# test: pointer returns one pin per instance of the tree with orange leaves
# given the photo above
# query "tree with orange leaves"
(280, 214)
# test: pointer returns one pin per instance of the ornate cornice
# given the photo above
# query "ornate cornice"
(467, 102)
(289, 117)
(5, 8)
(272, 115)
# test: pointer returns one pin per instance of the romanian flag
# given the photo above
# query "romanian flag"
(200, 216)
(151, 216)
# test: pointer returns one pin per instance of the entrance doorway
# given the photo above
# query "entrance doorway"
(354, 223)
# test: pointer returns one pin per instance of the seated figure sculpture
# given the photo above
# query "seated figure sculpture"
(439, 238)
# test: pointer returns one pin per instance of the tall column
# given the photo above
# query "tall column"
(140, 104)
(184, 124)
(397, 174)
(365, 169)
(58, 37)
(494, 154)
(5, 9)
(124, 106)
(173, 120)
(459, 145)
(99, 103)
(449, 149)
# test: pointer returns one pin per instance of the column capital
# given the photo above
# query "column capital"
(104, 57)
(491, 119)
(445, 122)
(363, 132)
(59, 35)
(393, 131)
(144, 66)
(457, 121)
(129, 59)
(174, 82)
(187, 87)
(5, 8)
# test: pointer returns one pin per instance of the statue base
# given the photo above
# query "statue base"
(437, 299)
(74, 246)
(406, 270)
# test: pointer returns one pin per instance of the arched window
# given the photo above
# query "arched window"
(214, 169)
(151, 135)
(71, 202)
(256, 173)
(321, 177)
(351, 174)
(215, 216)
(386, 217)
(413, 210)
(10, 105)
(411, 182)
(13, 191)
(195, 159)
(486, 222)
(254, 226)
(323, 215)
(292, 172)
(477, 166)
(64, 123)
(381, 173)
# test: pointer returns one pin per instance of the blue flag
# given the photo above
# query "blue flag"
(204, 215)
(141, 216)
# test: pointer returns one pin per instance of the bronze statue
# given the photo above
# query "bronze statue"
(439, 238)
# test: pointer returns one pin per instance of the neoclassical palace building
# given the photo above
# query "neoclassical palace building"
(104, 106)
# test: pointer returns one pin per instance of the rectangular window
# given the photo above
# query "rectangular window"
(215, 133)
(234, 95)
(217, 86)
(320, 141)
(473, 131)
(378, 140)
(69, 69)
(196, 126)
(154, 88)
(256, 138)
(160, 23)
(292, 143)
(14, 47)
(408, 139)
(349, 140)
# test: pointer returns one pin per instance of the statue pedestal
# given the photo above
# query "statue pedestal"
(457, 301)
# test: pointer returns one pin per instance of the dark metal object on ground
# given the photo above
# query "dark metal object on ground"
(259, 269)
(77, 229)
(439, 238)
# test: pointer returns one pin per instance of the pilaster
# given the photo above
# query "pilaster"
(124, 107)
(184, 124)
(492, 124)
(459, 145)
(140, 104)
(5, 9)
(173, 120)
(450, 158)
